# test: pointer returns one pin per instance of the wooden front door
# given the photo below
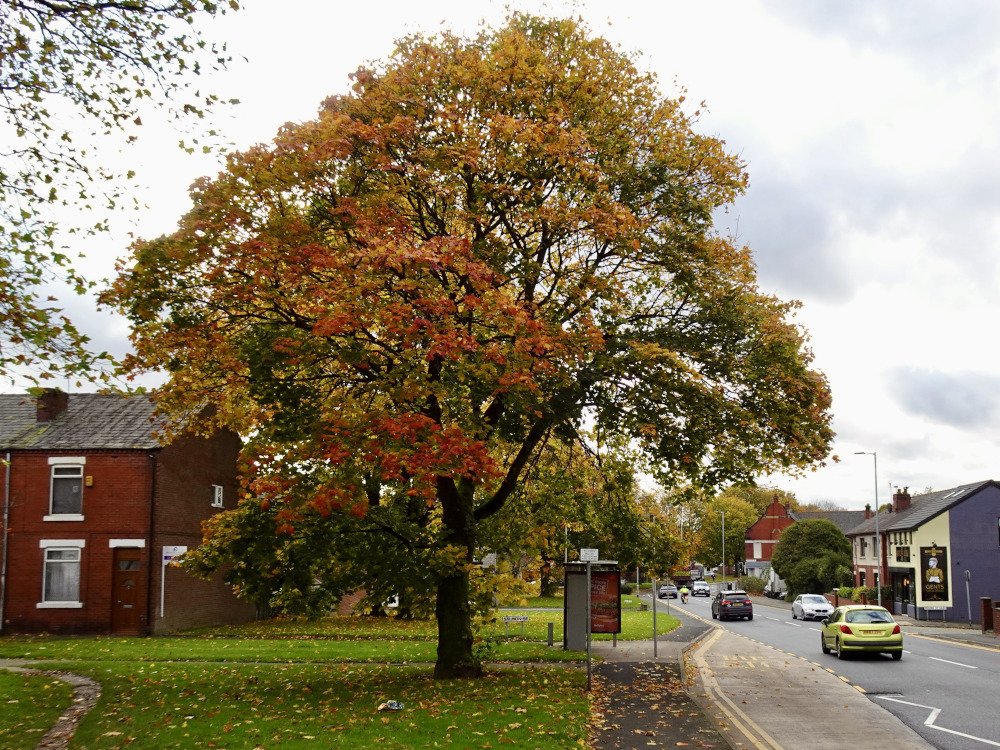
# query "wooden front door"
(125, 601)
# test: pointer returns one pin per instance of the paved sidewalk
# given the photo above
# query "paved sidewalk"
(644, 698)
(707, 687)
(760, 695)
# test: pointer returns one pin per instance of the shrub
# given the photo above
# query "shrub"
(626, 589)
(752, 584)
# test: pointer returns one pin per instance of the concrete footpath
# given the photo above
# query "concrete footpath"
(742, 694)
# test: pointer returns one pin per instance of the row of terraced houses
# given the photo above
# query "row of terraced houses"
(95, 506)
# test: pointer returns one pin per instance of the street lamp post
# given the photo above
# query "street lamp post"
(723, 514)
(651, 518)
(878, 541)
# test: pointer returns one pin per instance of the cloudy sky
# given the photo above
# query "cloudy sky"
(870, 130)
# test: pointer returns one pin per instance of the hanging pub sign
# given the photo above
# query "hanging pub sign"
(934, 574)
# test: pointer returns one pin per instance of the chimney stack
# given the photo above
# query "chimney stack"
(901, 499)
(50, 404)
(868, 511)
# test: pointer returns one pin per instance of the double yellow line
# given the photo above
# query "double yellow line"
(754, 734)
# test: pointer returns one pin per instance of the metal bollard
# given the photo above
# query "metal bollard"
(551, 629)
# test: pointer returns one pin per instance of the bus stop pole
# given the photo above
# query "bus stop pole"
(654, 616)
(589, 671)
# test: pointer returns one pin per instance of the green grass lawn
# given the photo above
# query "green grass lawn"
(295, 683)
(29, 706)
(307, 705)
(331, 639)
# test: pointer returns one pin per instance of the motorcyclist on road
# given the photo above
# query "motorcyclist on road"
(684, 594)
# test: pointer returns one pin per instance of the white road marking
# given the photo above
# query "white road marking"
(929, 721)
(956, 663)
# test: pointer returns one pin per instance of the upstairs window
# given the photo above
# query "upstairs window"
(66, 495)
(217, 496)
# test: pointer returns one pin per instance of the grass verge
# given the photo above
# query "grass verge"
(330, 706)
(29, 706)
(331, 639)
(294, 683)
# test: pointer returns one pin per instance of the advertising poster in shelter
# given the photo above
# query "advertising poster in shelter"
(934, 574)
(605, 602)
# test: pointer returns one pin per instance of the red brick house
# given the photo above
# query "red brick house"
(92, 503)
(762, 537)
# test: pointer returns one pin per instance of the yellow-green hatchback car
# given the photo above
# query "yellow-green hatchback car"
(859, 627)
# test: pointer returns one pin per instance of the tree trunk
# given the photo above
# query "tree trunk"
(453, 610)
(454, 652)
(548, 585)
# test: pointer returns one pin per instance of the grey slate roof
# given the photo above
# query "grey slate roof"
(91, 421)
(845, 520)
(922, 509)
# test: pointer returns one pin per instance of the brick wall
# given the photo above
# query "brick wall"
(115, 506)
(346, 605)
(186, 470)
(120, 494)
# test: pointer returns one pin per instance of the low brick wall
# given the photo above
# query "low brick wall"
(837, 600)
(346, 606)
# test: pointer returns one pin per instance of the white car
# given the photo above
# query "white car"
(700, 588)
(811, 607)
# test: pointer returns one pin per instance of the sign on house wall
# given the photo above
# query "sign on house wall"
(934, 574)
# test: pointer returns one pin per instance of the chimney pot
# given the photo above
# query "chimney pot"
(901, 499)
(50, 404)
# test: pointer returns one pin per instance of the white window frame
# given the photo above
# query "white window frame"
(46, 545)
(63, 462)
(217, 496)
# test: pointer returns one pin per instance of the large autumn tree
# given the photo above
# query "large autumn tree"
(490, 241)
(72, 72)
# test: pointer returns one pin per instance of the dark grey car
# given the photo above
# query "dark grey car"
(729, 604)
(668, 589)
